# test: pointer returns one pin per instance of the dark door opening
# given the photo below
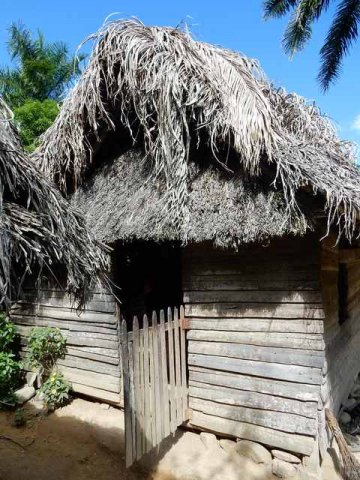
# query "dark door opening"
(149, 277)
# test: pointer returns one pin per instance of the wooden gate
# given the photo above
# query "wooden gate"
(155, 380)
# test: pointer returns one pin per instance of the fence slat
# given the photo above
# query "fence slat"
(177, 369)
(132, 401)
(147, 387)
(157, 378)
(137, 394)
(171, 372)
(127, 399)
(183, 367)
(142, 393)
(152, 388)
(164, 380)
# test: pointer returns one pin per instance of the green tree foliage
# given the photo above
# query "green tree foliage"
(10, 368)
(45, 346)
(41, 74)
(342, 33)
(33, 118)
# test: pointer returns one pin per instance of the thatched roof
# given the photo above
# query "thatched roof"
(38, 228)
(188, 105)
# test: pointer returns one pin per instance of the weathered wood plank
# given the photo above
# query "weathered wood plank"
(257, 325)
(75, 326)
(296, 341)
(164, 379)
(287, 441)
(137, 393)
(127, 397)
(90, 365)
(65, 304)
(177, 369)
(287, 356)
(173, 425)
(61, 314)
(255, 310)
(253, 296)
(284, 389)
(91, 379)
(158, 389)
(147, 387)
(152, 389)
(98, 393)
(285, 422)
(183, 366)
(232, 396)
(292, 373)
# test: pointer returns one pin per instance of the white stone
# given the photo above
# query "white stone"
(350, 403)
(285, 456)
(24, 394)
(30, 378)
(256, 452)
(345, 418)
(210, 441)
(228, 445)
(283, 469)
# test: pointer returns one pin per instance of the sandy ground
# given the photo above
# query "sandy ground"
(85, 440)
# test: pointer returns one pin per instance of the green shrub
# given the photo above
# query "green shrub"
(10, 374)
(55, 391)
(19, 418)
(45, 346)
(7, 333)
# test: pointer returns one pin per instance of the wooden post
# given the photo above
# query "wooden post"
(171, 372)
(164, 381)
(127, 399)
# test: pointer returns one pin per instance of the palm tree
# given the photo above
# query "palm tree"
(341, 35)
(42, 70)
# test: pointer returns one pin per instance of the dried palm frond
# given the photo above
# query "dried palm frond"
(38, 228)
(349, 464)
(172, 92)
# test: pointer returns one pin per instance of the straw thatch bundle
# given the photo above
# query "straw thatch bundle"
(173, 97)
(37, 226)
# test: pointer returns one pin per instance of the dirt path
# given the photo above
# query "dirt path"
(85, 441)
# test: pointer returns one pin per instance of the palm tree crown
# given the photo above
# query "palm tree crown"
(341, 35)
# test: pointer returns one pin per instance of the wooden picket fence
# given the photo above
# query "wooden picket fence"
(155, 380)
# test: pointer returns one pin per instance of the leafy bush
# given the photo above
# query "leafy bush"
(7, 333)
(19, 418)
(10, 371)
(45, 346)
(55, 391)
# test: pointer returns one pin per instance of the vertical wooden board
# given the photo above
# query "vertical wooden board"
(142, 392)
(164, 380)
(183, 367)
(177, 369)
(132, 401)
(157, 379)
(147, 386)
(127, 399)
(137, 394)
(171, 372)
(153, 405)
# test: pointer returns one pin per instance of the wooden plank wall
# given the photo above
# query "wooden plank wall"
(92, 362)
(255, 344)
(342, 341)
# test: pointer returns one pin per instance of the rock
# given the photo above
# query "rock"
(210, 441)
(345, 418)
(256, 452)
(30, 378)
(24, 394)
(283, 469)
(228, 445)
(350, 403)
(285, 456)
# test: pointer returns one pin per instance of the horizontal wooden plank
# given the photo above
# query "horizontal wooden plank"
(83, 352)
(285, 422)
(65, 324)
(26, 329)
(292, 373)
(301, 444)
(244, 398)
(90, 365)
(99, 394)
(288, 265)
(56, 313)
(257, 325)
(91, 379)
(255, 310)
(236, 380)
(287, 356)
(265, 281)
(98, 293)
(286, 340)
(253, 296)
(66, 304)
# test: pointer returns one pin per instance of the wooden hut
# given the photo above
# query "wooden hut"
(221, 192)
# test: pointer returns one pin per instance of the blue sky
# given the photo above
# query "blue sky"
(235, 24)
